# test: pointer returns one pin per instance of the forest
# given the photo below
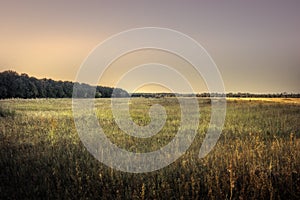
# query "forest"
(14, 85)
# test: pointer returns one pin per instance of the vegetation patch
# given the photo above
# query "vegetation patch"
(256, 157)
(6, 112)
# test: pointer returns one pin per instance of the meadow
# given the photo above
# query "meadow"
(256, 157)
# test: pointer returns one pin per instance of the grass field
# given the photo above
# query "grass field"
(256, 157)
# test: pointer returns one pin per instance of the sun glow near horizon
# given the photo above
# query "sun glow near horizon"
(254, 44)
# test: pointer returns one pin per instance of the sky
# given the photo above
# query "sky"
(255, 44)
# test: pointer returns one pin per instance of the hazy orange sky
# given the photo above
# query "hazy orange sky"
(255, 44)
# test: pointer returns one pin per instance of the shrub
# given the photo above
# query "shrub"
(6, 112)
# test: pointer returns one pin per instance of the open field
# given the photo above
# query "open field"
(256, 157)
(278, 100)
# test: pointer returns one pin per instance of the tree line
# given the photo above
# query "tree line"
(208, 95)
(14, 85)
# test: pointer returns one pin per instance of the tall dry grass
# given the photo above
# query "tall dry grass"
(256, 157)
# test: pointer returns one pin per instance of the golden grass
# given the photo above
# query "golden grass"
(278, 100)
(256, 157)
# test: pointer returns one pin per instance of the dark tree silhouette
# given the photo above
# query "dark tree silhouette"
(13, 85)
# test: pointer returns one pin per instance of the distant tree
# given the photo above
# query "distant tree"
(3, 92)
(7, 80)
(98, 95)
